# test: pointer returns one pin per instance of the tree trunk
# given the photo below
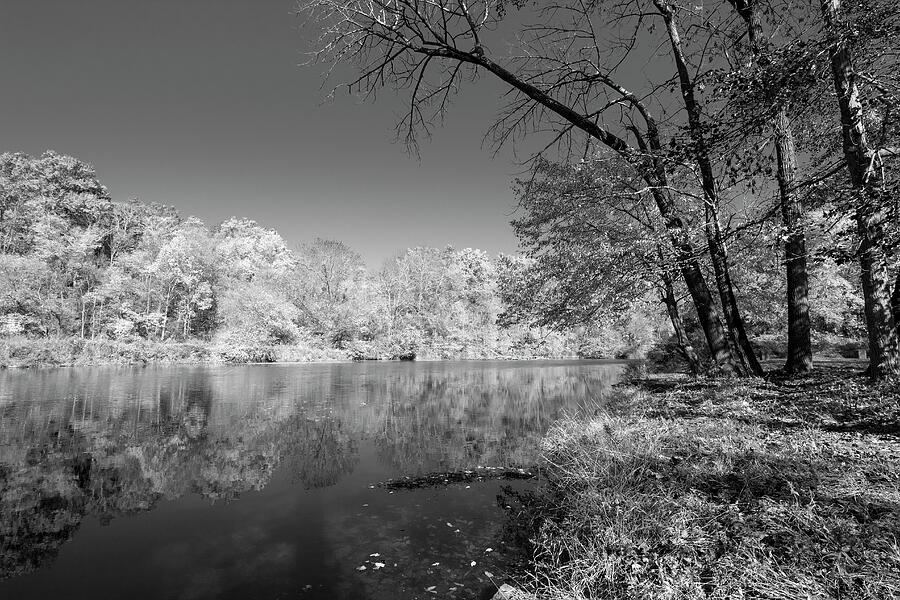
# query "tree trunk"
(165, 313)
(895, 302)
(880, 325)
(799, 359)
(684, 343)
(717, 249)
(94, 319)
(149, 281)
(719, 258)
(713, 330)
(883, 351)
(656, 176)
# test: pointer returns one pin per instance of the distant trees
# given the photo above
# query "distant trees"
(41, 199)
(331, 289)
(254, 268)
(81, 265)
(28, 301)
(184, 270)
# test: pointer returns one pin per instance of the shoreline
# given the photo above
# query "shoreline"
(76, 352)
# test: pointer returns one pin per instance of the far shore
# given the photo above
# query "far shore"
(23, 353)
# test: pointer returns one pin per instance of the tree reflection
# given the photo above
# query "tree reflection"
(322, 452)
(112, 442)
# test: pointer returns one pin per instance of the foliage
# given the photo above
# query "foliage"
(99, 277)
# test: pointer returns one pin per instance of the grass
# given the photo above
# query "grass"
(780, 489)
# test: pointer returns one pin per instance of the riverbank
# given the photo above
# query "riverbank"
(22, 352)
(786, 488)
(68, 352)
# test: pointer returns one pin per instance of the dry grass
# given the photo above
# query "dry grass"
(716, 489)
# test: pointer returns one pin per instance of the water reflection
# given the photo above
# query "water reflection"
(95, 444)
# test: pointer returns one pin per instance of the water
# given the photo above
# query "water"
(257, 481)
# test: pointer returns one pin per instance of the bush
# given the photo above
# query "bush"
(304, 352)
(240, 346)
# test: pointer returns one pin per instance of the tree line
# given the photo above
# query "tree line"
(77, 264)
(676, 144)
(74, 263)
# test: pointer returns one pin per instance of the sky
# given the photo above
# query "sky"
(205, 105)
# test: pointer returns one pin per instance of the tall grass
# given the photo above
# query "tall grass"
(647, 507)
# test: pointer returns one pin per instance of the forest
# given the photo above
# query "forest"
(126, 281)
(86, 278)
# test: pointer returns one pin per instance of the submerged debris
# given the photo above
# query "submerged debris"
(508, 592)
(467, 476)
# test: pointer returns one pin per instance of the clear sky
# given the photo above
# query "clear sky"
(203, 105)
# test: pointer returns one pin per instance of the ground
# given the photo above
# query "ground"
(722, 488)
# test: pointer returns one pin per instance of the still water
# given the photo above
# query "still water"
(260, 481)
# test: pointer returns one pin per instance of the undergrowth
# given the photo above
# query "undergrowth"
(29, 352)
(37, 352)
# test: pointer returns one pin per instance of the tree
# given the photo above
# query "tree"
(53, 185)
(330, 289)
(255, 313)
(247, 252)
(700, 152)
(870, 196)
(184, 269)
(764, 91)
(28, 285)
(558, 81)
(596, 249)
